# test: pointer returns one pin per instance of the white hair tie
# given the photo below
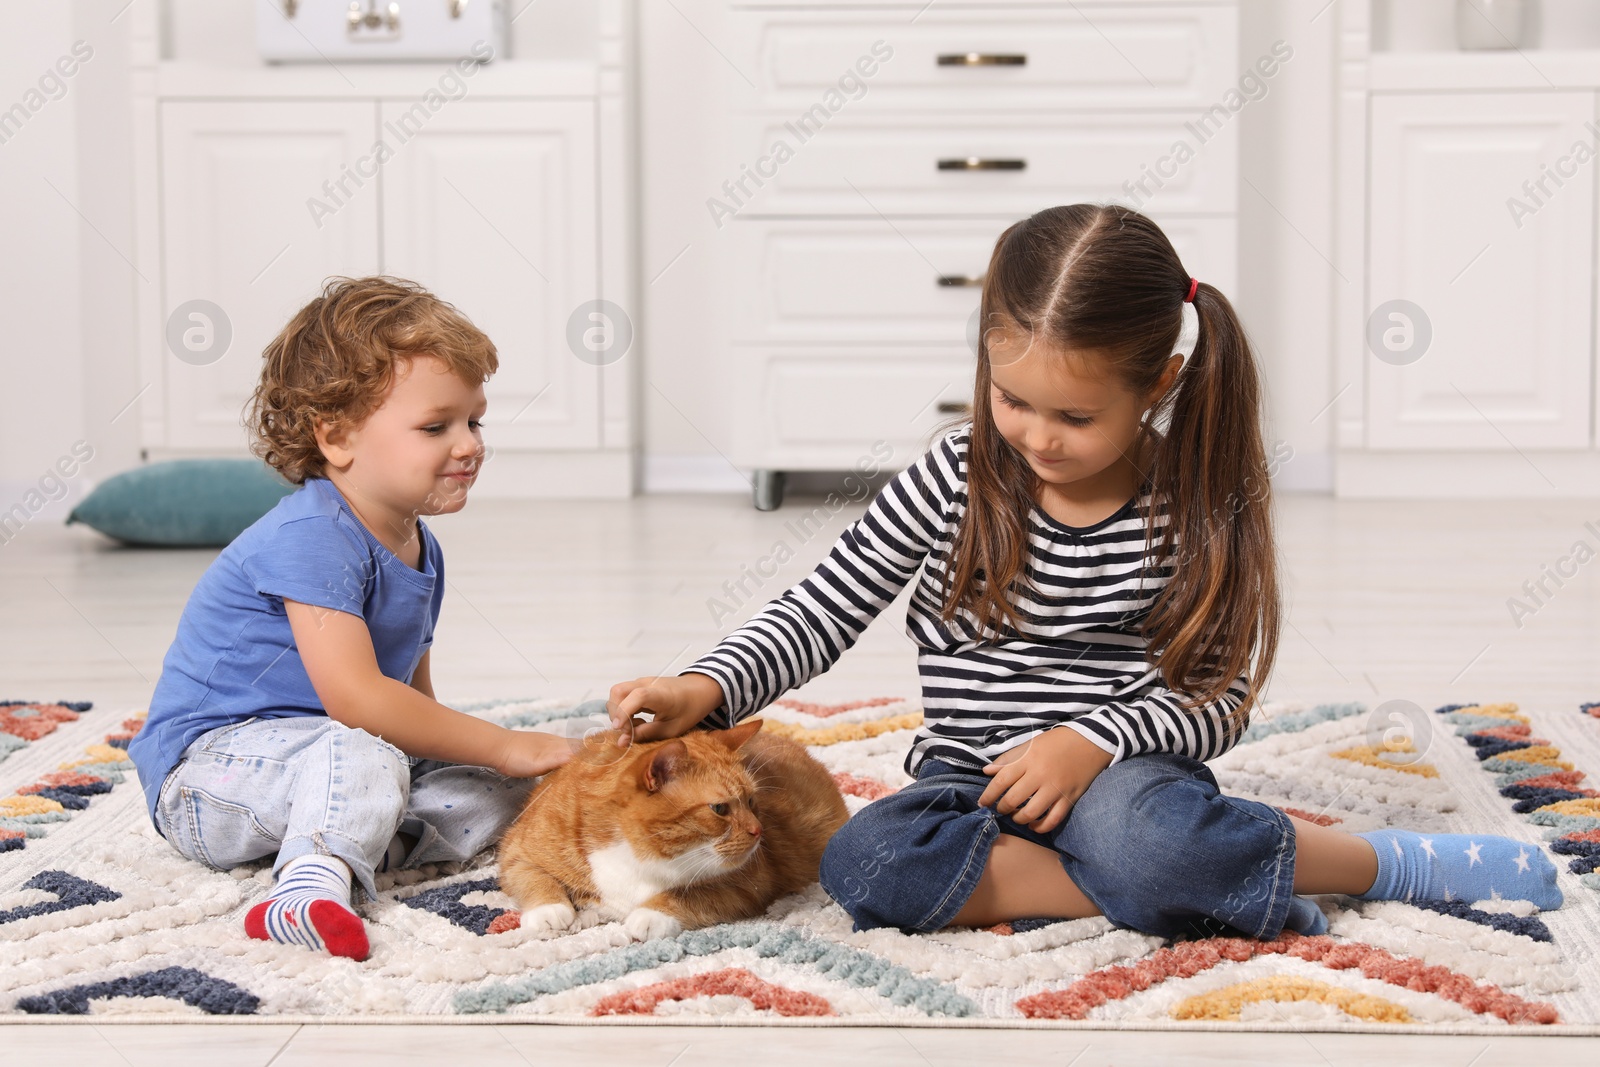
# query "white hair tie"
(1188, 332)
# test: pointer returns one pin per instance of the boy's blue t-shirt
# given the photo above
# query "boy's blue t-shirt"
(234, 656)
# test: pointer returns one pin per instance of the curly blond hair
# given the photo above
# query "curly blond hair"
(336, 359)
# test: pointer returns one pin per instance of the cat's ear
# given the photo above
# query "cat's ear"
(737, 736)
(665, 763)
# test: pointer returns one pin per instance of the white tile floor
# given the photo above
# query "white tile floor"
(1387, 600)
(557, 1046)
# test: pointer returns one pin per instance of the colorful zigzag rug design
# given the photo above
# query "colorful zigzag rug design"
(98, 916)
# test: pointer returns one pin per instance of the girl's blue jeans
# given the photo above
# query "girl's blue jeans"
(309, 784)
(1153, 843)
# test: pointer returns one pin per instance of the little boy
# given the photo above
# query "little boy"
(295, 712)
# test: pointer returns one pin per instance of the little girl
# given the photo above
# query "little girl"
(295, 713)
(1096, 614)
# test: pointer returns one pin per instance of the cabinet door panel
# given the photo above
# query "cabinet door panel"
(253, 219)
(1508, 297)
(492, 205)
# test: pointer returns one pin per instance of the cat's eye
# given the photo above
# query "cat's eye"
(719, 809)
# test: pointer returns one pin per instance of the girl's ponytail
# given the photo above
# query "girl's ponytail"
(1105, 279)
(1209, 468)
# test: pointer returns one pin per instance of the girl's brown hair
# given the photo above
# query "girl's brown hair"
(337, 358)
(1105, 280)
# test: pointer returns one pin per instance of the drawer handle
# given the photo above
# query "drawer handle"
(974, 163)
(962, 280)
(983, 59)
(372, 19)
(954, 407)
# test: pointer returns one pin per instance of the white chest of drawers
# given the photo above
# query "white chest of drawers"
(872, 155)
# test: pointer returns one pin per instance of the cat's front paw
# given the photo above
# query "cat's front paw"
(647, 924)
(549, 918)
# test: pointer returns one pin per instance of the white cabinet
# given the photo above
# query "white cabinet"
(875, 155)
(1508, 297)
(236, 177)
(492, 205)
(506, 188)
(846, 330)
(1466, 190)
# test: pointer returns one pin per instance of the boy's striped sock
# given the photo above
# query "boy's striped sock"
(310, 906)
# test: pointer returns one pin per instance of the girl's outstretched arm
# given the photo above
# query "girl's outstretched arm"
(802, 632)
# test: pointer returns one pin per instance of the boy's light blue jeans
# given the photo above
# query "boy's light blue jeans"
(309, 784)
(1153, 843)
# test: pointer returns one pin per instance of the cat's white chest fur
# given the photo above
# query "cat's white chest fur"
(625, 881)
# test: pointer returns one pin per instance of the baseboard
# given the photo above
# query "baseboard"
(1307, 472)
(600, 475)
(24, 502)
(681, 473)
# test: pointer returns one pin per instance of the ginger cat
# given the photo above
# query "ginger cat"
(671, 835)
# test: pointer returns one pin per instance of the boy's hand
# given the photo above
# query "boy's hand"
(1037, 782)
(529, 753)
(677, 703)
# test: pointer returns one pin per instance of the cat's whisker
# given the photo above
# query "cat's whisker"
(708, 862)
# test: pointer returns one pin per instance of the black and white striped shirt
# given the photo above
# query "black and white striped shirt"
(1077, 660)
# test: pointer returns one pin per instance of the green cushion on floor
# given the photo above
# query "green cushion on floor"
(189, 502)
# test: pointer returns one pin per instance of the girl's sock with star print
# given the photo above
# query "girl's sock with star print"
(310, 906)
(1462, 867)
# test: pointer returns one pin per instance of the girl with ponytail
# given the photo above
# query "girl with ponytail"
(1096, 612)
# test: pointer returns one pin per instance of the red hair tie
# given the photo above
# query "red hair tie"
(1194, 287)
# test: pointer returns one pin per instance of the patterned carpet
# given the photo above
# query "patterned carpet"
(99, 916)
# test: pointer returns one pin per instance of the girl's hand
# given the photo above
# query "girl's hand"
(677, 703)
(528, 753)
(1037, 782)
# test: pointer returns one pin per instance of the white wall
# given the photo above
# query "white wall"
(1286, 273)
(107, 285)
(687, 419)
(1430, 25)
(41, 271)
